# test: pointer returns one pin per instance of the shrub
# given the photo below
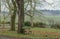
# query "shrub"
(39, 24)
(35, 24)
(8, 22)
(27, 23)
(56, 26)
(5, 22)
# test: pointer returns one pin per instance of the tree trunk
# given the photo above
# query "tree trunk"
(13, 17)
(20, 4)
(13, 22)
(0, 11)
(31, 13)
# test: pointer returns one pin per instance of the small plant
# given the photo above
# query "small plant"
(27, 23)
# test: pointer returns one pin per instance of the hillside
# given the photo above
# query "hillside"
(47, 14)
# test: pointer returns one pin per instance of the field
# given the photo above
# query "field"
(37, 18)
(37, 33)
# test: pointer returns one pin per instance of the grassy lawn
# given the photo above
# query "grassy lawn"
(45, 32)
(36, 33)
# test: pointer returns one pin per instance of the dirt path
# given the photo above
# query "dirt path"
(7, 37)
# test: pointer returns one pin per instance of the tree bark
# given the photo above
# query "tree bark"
(31, 13)
(13, 17)
(20, 4)
(0, 11)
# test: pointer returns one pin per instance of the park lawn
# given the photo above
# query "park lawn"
(46, 32)
(36, 33)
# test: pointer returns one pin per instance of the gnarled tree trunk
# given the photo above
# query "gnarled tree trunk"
(20, 4)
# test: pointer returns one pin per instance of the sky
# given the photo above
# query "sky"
(46, 5)
(49, 5)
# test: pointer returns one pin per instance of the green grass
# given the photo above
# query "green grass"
(13, 34)
(36, 33)
(47, 29)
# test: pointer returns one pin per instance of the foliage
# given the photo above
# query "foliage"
(5, 22)
(39, 24)
(35, 24)
(56, 26)
(27, 23)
